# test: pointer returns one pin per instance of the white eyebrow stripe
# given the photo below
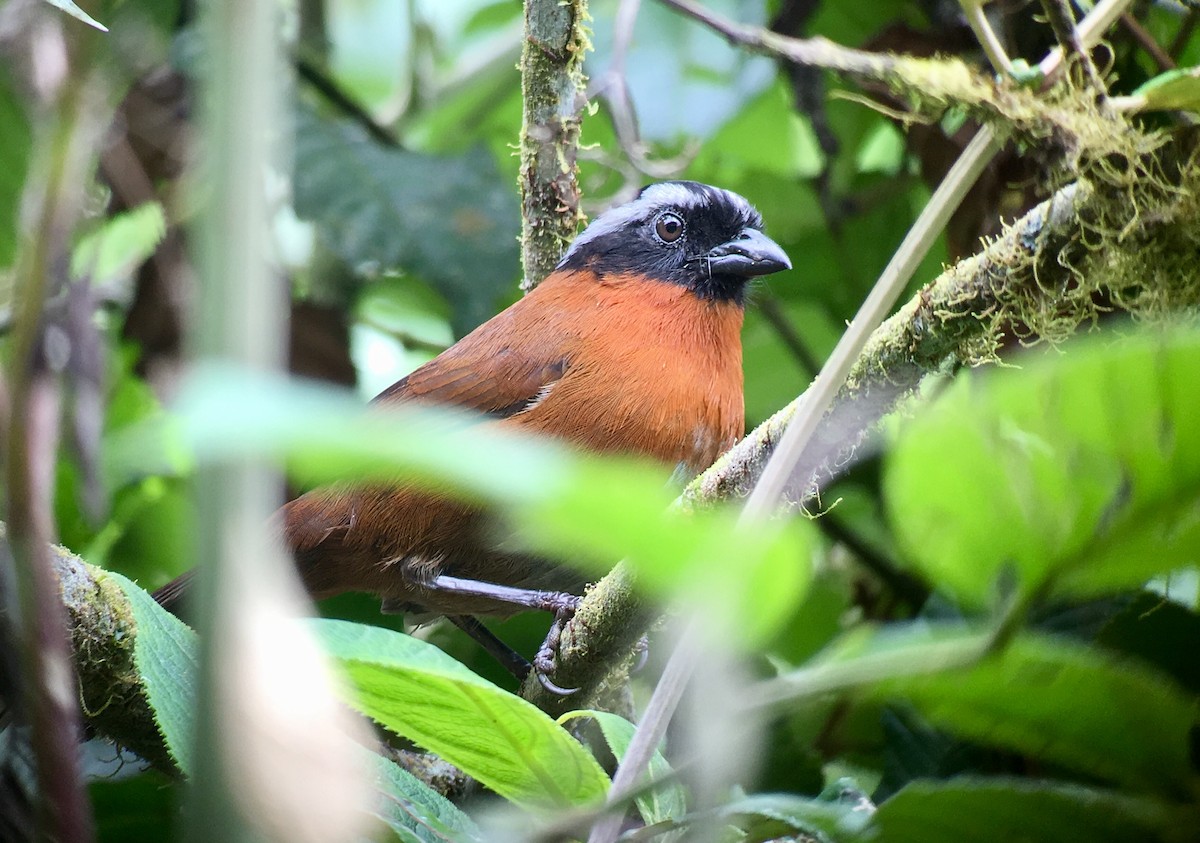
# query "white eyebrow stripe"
(654, 198)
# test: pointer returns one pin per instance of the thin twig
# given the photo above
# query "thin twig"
(1185, 34)
(1146, 41)
(769, 307)
(1062, 22)
(907, 587)
(48, 701)
(920, 238)
(613, 87)
(340, 99)
(814, 52)
(986, 36)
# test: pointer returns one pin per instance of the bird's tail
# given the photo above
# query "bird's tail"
(312, 526)
(174, 595)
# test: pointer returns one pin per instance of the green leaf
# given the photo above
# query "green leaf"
(1003, 810)
(414, 811)
(76, 12)
(592, 511)
(1177, 89)
(665, 802)
(165, 655)
(776, 815)
(1077, 475)
(753, 579)
(120, 245)
(1055, 700)
(449, 220)
(1050, 698)
(417, 691)
(166, 659)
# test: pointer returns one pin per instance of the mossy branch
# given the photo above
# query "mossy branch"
(1081, 125)
(553, 96)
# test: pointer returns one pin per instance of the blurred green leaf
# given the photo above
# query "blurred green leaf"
(590, 510)
(750, 579)
(1005, 810)
(491, 16)
(1061, 702)
(665, 802)
(1076, 474)
(775, 816)
(882, 151)
(408, 310)
(506, 743)
(449, 220)
(414, 811)
(767, 136)
(1175, 89)
(164, 652)
(1047, 697)
(120, 245)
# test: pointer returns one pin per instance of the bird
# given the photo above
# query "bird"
(631, 345)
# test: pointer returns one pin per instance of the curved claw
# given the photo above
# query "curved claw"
(643, 654)
(555, 689)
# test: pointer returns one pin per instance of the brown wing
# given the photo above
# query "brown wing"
(339, 534)
(497, 369)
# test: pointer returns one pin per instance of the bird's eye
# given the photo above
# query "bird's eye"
(668, 227)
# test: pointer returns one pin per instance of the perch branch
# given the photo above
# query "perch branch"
(552, 90)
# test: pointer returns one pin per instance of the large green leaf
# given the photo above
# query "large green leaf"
(1004, 810)
(164, 652)
(1056, 700)
(449, 220)
(664, 802)
(506, 743)
(1047, 697)
(1077, 474)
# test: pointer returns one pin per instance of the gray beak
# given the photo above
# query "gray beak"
(749, 254)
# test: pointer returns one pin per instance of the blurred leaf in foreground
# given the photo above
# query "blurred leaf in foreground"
(1075, 474)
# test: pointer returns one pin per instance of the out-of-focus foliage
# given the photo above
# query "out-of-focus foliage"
(1046, 689)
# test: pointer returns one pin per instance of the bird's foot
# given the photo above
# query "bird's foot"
(546, 659)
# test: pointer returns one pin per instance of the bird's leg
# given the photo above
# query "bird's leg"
(513, 661)
(547, 601)
(562, 604)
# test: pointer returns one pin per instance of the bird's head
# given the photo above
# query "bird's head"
(681, 232)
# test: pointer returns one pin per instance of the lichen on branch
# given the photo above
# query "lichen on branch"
(553, 94)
